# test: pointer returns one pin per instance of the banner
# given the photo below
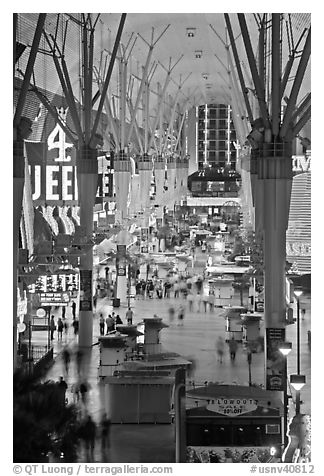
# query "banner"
(275, 360)
(85, 290)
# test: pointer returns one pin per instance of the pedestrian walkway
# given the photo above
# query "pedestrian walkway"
(194, 339)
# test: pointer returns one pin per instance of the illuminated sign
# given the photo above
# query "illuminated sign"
(302, 163)
(54, 299)
(233, 406)
(52, 166)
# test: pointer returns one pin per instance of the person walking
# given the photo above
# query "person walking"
(211, 300)
(205, 301)
(232, 344)
(60, 328)
(220, 348)
(84, 388)
(90, 437)
(101, 325)
(62, 387)
(73, 310)
(171, 314)
(79, 361)
(66, 357)
(75, 390)
(181, 315)
(66, 328)
(129, 316)
(176, 289)
(105, 432)
(109, 324)
(190, 299)
(75, 324)
(52, 327)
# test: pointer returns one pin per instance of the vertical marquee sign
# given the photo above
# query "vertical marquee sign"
(52, 165)
(275, 361)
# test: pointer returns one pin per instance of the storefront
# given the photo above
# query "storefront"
(233, 424)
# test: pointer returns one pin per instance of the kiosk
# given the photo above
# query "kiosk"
(233, 319)
(251, 329)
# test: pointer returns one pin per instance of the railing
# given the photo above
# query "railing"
(37, 352)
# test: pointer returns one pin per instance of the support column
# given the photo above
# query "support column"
(145, 173)
(87, 186)
(18, 190)
(275, 175)
(122, 177)
(159, 166)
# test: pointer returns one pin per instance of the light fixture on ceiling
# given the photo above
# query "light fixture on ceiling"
(208, 86)
(191, 32)
(198, 54)
(205, 76)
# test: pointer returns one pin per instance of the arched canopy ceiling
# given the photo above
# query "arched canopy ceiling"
(202, 79)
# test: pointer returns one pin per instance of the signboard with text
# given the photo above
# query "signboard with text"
(52, 165)
(275, 361)
(232, 407)
(54, 299)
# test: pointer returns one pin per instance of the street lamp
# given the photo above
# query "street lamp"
(298, 293)
(285, 349)
(297, 381)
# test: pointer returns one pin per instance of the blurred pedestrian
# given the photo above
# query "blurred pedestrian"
(60, 328)
(211, 300)
(220, 348)
(79, 361)
(232, 344)
(66, 357)
(75, 390)
(84, 388)
(66, 328)
(63, 312)
(176, 289)
(101, 325)
(105, 432)
(205, 301)
(73, 310)
(62, 387)
(171, 314)
(75, 325)
(190, 299)
(197, 301)
(181, 315)
(89, 437)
